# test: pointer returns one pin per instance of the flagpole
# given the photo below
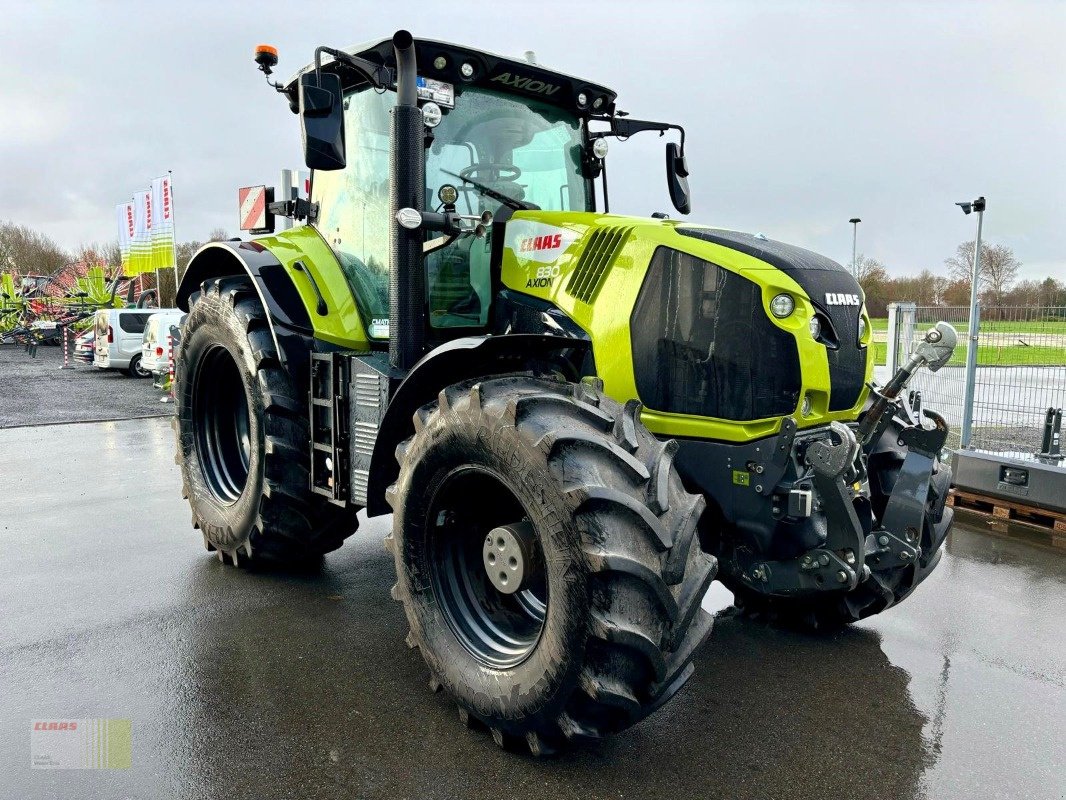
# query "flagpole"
(157, 215)
(174, 229)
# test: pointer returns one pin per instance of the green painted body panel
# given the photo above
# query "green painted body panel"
(543, 250)
(342, 325)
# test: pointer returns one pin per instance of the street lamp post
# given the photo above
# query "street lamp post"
(977, 205)
(854, 246)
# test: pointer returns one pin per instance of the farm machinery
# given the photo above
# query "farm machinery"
(578, 420)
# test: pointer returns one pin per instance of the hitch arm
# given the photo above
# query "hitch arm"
(934, 352)
(832, 465)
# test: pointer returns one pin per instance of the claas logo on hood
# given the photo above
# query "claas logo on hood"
(839, 299)
(551, 241)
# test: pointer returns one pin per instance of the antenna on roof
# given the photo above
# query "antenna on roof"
(531, 57)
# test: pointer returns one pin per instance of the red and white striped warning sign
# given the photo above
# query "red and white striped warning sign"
(252, 200)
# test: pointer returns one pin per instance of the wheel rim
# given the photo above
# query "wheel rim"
(223, 431)
(500, 630)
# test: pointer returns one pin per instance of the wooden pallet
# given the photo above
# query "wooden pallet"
(999, 509)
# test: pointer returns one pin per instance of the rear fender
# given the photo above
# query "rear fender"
(455, 361)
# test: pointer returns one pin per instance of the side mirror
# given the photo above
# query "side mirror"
(322, 120)
(677, 178)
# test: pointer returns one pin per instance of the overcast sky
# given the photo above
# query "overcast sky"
(799, 115)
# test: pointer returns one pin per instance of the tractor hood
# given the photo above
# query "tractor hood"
(692, 304)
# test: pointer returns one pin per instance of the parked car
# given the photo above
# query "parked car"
(83, 347)
(155, 346)
(119, 334)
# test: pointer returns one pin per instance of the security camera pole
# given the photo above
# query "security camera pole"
(854, 246)
(977, 205)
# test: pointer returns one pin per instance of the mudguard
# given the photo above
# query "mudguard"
(290, 325)
(454, 361)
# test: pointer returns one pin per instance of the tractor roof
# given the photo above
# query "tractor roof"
(490, 70)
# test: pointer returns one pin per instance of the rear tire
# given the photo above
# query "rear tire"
(134, 370)
(243, 437)
(604, 633)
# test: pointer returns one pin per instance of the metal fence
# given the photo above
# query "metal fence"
(1020, 371)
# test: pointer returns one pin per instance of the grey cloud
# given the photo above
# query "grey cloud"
(799, 115)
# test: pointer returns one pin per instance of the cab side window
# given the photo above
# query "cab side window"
(354, 203)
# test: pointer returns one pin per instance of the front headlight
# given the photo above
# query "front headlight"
(815, 326)
(862, 327)
(782, 305)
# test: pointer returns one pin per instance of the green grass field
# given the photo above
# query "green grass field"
(996, 326)
(994, 356)
(1000, 354)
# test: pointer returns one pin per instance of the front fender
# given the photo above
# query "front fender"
(452, 362)
(290, 326)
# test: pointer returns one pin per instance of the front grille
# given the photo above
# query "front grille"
(847, 361)
(818, 276)
(603, 245)
(703, 345)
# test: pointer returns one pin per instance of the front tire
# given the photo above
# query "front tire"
(243, 437)
(602, 629)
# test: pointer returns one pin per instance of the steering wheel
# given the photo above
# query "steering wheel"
(503, 172)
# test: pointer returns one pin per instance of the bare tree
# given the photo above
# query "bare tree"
(28, 252)
(940, 286)
(94, 254)
(218, 235)
(999, 267)
(873, 277)
(1052, 292)
(186, 250)
(870, 269)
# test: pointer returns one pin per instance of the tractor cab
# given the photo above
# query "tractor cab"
(498, 135)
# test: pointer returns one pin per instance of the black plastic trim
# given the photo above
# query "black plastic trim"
(490, 71)
(455, 361)
(290, 325)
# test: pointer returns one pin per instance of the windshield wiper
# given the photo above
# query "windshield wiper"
(510, 202)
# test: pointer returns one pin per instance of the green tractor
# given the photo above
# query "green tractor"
(578, 420)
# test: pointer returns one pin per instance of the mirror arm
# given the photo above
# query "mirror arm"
(380, 77)
(298, 209)
(623, 128)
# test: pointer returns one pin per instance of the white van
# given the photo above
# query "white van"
(119, 333)
(155, 347)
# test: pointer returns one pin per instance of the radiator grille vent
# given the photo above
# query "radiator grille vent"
(364, 435)
(367, 390)
(603, 246)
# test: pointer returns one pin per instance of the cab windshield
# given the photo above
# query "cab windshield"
(524, 149)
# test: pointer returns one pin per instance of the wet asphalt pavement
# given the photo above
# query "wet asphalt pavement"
(300, 686)
(36, 390)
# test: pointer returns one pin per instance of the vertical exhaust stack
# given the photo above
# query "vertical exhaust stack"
(407, 289)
